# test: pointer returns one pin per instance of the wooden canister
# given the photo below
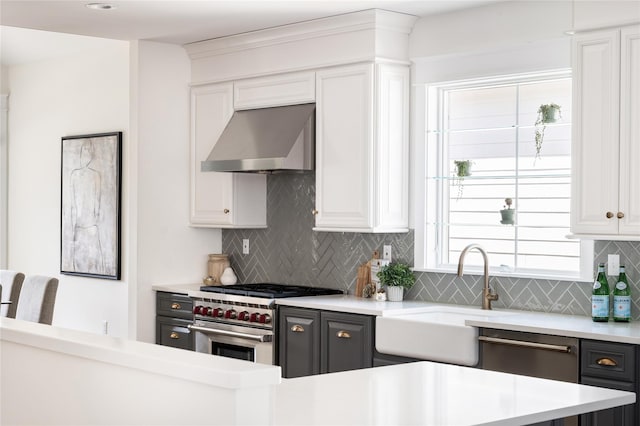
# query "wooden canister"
(216, 265)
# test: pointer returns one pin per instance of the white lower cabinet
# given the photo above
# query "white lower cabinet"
(606, 134)
(362, 147)
(220, 200)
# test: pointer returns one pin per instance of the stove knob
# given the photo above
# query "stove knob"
(265, 318)
(243, 316)
(206, 310)
(230, 314)
(217, 312)
(253, 317)
(197, 310)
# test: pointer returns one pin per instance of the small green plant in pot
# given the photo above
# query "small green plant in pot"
(547, 113)
(396, 276)
(507, 213)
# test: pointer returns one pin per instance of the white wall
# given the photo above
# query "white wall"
(142, 89)
(504, 25)
(168, 250)
(4, 82)
(73, 95)
(488, 28)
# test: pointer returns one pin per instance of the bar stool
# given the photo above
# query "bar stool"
(37, 299)
(11, 282)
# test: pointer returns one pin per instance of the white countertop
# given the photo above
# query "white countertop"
(536, 322)
(204, 369)
(422, 393)
(357, 305)
(563, 325)
(427, 393)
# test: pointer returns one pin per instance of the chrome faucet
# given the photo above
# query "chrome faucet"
(487, 295)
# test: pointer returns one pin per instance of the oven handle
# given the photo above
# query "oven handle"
(257, 338)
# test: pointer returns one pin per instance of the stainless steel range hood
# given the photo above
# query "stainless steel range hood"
(266, 140)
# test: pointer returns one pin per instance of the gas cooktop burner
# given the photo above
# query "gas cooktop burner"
(270, 290)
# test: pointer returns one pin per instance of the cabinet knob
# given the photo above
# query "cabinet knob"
(175, 306)
(225, 211)
(297, 329)
(608, 362)
(314, 212)
(174, 335)
(609, 215)
(343, 334)
(620, 215)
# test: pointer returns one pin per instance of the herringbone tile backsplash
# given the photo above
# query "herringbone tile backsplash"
(289, 252)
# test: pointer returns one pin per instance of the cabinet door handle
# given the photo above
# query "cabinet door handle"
(314, 212)
(609, 215)
(174, 335)
(608, 362)
(620, 215)
(297, 329)
(175, 305)
(343, 334)
(225, 211)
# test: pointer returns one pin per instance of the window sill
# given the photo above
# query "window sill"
(470, 270)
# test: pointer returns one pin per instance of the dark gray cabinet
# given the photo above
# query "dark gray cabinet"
(346, 342)
(613, 366)
(313, 341)
(299, 344)
(173, 316)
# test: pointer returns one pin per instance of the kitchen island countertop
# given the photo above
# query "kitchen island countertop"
(101, 372)
(427, 393)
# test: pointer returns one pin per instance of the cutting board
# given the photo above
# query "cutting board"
(362, 280)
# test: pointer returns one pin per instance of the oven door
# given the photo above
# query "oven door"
(232, 341)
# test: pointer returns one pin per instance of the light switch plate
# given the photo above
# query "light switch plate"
(613, 265)
(386, 253)
(245, 246)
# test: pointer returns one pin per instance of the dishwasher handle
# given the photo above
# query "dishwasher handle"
(525, 344)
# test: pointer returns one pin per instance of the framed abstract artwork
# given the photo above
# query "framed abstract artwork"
(90, 205)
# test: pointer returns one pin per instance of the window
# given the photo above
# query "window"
(486, 183)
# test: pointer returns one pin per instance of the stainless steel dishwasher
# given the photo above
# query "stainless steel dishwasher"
(531, 354)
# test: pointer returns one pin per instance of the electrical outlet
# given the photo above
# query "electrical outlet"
(386, 252)
(613, 265)
(105, 327)
(245, 246)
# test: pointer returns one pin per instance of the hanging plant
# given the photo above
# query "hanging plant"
(547, 113)
(463, 169)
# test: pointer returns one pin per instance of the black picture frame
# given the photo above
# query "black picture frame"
(90, 205)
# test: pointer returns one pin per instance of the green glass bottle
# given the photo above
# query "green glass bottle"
(622, 298)
(600, 296)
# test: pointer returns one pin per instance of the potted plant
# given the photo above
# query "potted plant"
(396, 276)
(463, 169)
(547, 113)
(507, 212)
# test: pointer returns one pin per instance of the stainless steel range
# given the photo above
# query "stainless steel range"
(239, 321)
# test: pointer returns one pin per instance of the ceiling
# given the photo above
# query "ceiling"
(175, 21)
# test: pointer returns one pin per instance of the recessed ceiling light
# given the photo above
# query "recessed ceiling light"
(100, 6)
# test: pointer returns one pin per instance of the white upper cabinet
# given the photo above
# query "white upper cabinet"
(220, 200)
(606, 134)
(630, 131)
(362, 148)
(355, 67)
(277, 90)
